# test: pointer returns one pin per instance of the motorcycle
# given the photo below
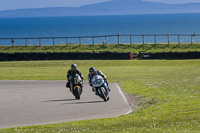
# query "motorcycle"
(101, 88)
(76, 85)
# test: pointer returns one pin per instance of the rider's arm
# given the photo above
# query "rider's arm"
(81, 75)
(100, 73)
(68, 75)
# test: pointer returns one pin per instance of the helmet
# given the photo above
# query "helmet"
(73, 66)
(92, 69)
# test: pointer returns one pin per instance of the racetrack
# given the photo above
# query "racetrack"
(24, 103)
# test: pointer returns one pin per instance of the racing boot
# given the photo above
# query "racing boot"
(94, 90)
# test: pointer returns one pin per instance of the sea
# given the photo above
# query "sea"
(79, 26)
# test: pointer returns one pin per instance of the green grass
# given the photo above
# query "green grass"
(169, 91)
(135, 48)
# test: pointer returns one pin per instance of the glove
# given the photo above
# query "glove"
(81, 82)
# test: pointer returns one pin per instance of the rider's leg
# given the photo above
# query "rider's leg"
(96, 93)
(94, 90)
(68, 84)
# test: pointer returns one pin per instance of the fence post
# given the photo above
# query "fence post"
(143, 39)
(26, 42)
(12, 42)
(191, 39)
(105, 39)
(66, 41)
(155, 39)
(118, 39)
(168, 39)
(53, 41)
(93, 40)
(178, 39)
(79, 40)
(40, 41)
(131, 40)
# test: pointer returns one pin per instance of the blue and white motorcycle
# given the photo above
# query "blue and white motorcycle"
(100, 87)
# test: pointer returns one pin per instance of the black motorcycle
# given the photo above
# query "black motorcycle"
(76, 85)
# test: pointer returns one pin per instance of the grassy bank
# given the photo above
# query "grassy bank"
(169, 91)
(135, 48)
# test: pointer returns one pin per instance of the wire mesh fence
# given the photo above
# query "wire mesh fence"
(106, 39)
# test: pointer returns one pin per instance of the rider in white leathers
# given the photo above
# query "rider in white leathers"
(92, 73)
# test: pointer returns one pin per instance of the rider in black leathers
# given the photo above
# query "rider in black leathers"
(72, 71)
(93, 72)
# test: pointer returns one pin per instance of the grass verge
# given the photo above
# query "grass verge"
(169, 90)
(135, 48)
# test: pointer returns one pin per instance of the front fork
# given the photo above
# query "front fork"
(106, 86)
(106, 89)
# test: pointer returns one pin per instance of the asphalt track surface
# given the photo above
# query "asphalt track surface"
(24, 103)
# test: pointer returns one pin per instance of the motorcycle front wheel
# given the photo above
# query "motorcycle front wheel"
(77, 93)
(103, 94)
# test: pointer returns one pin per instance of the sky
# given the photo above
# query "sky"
(24, 4)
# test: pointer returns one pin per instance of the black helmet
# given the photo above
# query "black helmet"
(92, 69)
(73, 66)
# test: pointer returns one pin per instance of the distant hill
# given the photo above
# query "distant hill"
(113, 7)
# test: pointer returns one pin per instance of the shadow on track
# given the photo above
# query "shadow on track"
(86, 102)
(61, 100)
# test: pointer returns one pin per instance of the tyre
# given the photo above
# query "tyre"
(108, 98)
(77, 93)
(103, 94)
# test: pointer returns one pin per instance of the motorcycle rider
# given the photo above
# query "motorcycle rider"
(72, 71)
(93, 72)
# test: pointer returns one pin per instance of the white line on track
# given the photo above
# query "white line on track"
(125, 100)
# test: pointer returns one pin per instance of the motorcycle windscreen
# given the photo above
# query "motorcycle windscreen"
(97, 81)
